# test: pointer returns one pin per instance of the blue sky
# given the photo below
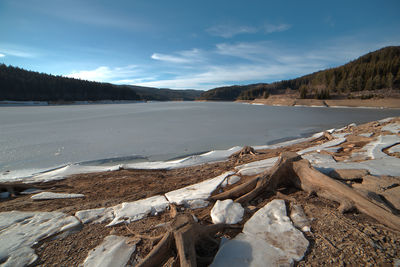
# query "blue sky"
(192, 44)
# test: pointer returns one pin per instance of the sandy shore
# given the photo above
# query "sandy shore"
(288, 101)
(336, 239)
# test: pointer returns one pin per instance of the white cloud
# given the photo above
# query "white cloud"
(228, 31)
(182, 57)
(270, 28)
(105, 74)
(16, 52)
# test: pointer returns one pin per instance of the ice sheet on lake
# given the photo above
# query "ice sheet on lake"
(392, 127)
(201, 190)
(227, 211)
(137, 210)
(60, 173)
(268, 239)
(19, 231)
(212, 156)
(51, 195)
(112, 252)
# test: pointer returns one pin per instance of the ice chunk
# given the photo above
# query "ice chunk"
(51, 195)
(366, 134)
(30, 191)
(233, 179)
(256, 167)
(227, 211)
(374, 149)
(197, 191)
(334, 142)
(212, 156)
(62, 172)
(317, 158)
(19, 231)
(386, 120)
(268, 239)
(113, 251)
(392, 127)
(299, 218)
(340, 135)
(99, 215)
(394, 149)
(137, 210)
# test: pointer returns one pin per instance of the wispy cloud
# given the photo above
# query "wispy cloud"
(228, 31)
(106, 74)
(270, 28)
(2, 55)
(16, 51)
(187, 56)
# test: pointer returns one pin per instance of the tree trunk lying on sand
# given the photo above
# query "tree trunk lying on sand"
(289, 171)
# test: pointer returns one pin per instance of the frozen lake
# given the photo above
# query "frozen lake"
(34, 138)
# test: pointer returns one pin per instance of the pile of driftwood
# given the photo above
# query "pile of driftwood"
(177, 245)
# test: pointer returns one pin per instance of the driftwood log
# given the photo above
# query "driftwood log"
(290, 170)
(181, 236)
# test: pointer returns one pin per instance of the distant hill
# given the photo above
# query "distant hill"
(227, 93)
(150, 93)
(21, 85)
(371, 72)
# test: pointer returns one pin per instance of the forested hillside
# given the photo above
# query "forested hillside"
(150, 93)
(21, 85)
(373, 71)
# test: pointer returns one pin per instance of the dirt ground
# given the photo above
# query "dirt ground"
(284, 100)
(336, 239)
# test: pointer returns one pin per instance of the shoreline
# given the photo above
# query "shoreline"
(373, 143)
(380, 103)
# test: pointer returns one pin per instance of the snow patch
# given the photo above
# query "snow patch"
(51, 195)
(268, 239)
(19, 231)
(113, 251)
(227, 211)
